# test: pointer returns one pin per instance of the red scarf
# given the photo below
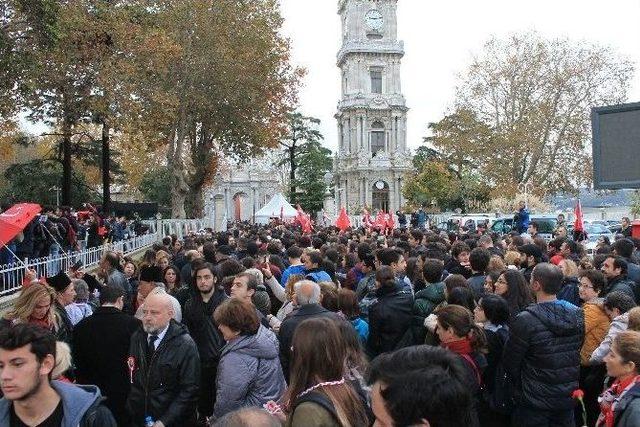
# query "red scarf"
(44, 322)
(462, 346)
(464, 349)
(610, 397)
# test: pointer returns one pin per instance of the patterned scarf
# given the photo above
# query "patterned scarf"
(611, 397)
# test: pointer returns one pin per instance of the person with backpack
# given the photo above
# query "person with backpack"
(492, 312)
(319, 392)
(459, 334)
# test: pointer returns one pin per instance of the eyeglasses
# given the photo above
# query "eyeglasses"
(584, 285)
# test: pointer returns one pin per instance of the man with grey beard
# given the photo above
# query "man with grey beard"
(164, 368)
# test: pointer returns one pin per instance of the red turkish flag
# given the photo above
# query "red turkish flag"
(578, 225)
(343, 222)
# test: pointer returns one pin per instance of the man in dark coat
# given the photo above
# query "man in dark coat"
(542, 355)
(198, 318)
(166, 368)
(100, 350)
(307, 297)
(389, 317)
(615, 269)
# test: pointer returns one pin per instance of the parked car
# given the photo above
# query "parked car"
(594, 232)
(546, 225)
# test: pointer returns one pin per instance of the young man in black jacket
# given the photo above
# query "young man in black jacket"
(542, 355)
(165, 368)
(198, 318)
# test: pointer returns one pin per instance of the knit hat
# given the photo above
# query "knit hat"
(59, 282)
(261, 300)
(150, 273)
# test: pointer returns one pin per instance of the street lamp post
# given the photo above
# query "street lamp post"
(57, 190)
(525, 188)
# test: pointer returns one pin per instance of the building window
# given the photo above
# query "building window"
(377, 138)
(376, 81)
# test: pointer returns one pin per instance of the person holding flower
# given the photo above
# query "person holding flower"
(620, 404)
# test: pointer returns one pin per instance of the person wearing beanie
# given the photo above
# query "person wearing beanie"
(65, 295)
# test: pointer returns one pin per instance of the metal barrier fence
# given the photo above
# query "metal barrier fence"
(12, 275)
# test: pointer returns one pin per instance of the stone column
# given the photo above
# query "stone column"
(227, 203)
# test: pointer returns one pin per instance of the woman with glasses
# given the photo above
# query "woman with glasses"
(512, 286)
(596, 325)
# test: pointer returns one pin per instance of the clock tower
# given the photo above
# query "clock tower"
(372, 157)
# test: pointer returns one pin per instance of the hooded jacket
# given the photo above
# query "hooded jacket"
(542, 355)
(81, 406)
(618, 324)
(165, 387)
(249, 372)
(627, 410)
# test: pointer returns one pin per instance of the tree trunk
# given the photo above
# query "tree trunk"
(197, 200)
(66, 162)
(292, 173)
(106, 167)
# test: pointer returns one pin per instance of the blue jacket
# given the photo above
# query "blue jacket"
(523, 220)
(80, 404)
(318, 276)
(249, 372)
(292, 269)
(362, 328)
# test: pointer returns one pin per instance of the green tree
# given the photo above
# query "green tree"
(313, 161)
(156, 186)
(302, 136)
(432, 183)
(34, 180)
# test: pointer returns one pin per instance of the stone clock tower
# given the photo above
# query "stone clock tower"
(372, 157)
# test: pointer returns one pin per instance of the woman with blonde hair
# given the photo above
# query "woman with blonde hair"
(162, 260)
(285, 295)
(63, 362)
(34, 306)
(570, 283)
(512, 259)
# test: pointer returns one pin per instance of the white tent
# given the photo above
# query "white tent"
(276, 207)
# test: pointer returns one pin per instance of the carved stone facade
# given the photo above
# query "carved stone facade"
(240, 190)
(372, 157)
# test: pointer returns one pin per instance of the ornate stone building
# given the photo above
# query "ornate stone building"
(372, 156)
(240, 190)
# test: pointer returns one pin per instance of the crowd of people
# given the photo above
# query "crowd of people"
(267, 326)
(63, 230)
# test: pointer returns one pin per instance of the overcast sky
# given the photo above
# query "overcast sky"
(440, 38)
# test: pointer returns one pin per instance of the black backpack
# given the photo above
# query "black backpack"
(501, 399)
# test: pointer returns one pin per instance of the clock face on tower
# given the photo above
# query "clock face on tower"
(374, 19)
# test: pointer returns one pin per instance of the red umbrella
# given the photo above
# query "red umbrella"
(15, 219)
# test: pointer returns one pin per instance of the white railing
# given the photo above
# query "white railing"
(179, 227)
(12, 275)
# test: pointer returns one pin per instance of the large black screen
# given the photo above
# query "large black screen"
(616, 146)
